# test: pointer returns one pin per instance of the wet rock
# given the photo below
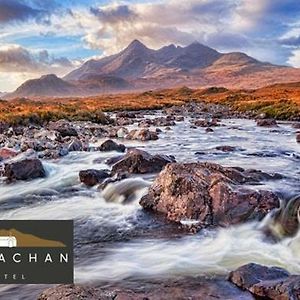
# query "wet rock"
(142, 135)
(267, 282)
(266, 122)
(179, 118)
(121, 133)
(111, 161)
(206, 123)
(208, 129)
(7, 153)
(190, 288)
(72, 292)
(208, 194)
(110, 145)
(26, 169)
(298, 138)
(92, 177)
(124, 121)
(64, 128)
(126, 114)
(140, 162)
(226, 148)
(75, 145)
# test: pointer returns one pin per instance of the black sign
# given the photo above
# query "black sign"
(36, 252)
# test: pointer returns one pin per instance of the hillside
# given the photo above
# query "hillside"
(138, 68)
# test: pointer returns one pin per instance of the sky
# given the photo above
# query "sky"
(39, 37)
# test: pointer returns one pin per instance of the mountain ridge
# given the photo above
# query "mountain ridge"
(138, 68)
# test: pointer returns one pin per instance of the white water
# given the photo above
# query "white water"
(119, 241)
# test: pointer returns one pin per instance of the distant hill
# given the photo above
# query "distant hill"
(139, 68)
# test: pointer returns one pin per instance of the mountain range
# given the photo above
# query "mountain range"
(138, 68)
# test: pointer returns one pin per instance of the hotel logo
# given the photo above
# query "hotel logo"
(34, 252)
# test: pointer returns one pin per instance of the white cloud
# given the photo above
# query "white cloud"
(294, 59)
(18, 64)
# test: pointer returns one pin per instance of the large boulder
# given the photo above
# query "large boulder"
(92, 177)
(140, 162)
(267, 282)
(25, 169)
(207, 194)
(110, 145)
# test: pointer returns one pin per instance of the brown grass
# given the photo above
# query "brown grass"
(279, 101)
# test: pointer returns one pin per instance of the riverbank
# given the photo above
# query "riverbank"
(280, 101)
(60, 170)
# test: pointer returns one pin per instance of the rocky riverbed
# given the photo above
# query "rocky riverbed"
(171, 204)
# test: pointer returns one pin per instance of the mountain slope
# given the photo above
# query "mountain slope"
(45, 86)
(139, 68)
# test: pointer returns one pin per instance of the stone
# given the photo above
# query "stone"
(140, 162)
(7, 153)
(92, 177)
(208, 194)
(110, 145)
(75, 145)
(26, 169)
(142, 135)
(266, 122)
(267, 282)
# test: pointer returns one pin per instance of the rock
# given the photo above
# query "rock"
(140, 162)
(266, 122)
(208, 129)
(64, 128)
(7, 153)
(207, 193)
(110, 145)
(179, 118)
(75, 145)
(26, 169)
(296, 125)
(226, 148)
(267, 282)
(121, 133)
(206, 123)
(72, 292)
(92, 177)
(298, 138)
(142, 135)
(126, 114)
(190, 288)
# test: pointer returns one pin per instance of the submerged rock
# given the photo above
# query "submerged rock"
(92, 177)
(140, 162)
(110, 145)
(267, 282)
(25, 169)
(207, 194)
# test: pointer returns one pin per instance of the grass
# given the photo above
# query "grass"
(280, 102)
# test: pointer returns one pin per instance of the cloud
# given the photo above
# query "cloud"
(14, 11)
(18, 64)
(294, 59)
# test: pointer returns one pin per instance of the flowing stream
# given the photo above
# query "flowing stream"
(115, 242)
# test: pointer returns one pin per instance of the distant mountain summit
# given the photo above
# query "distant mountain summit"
(139, 68)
